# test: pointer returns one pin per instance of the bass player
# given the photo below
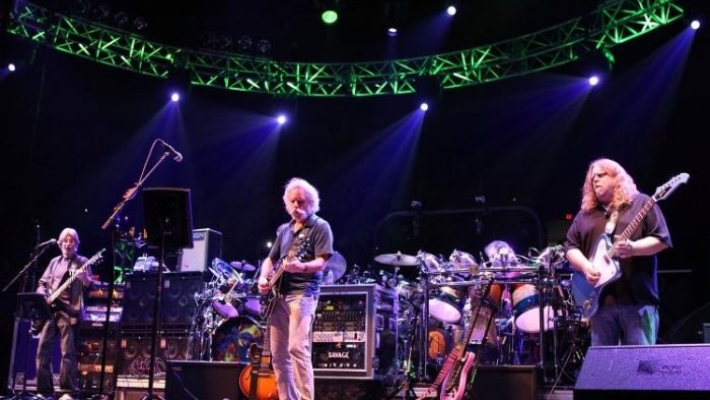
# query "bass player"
(66, 312)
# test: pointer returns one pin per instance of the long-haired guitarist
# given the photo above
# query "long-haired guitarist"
(612, 243)
(66, 312)
(290, 278)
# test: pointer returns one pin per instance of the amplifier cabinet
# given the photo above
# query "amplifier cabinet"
(177, 299)
(352, 331)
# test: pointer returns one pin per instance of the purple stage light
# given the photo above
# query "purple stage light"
(695, 24)
(175, 97)
(281, 119)
(424, 106)
(594, 80)
(451, 10)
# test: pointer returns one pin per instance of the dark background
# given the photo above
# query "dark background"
(501, 160)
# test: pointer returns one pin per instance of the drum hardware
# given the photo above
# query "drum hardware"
(336, 264)
(242, 266)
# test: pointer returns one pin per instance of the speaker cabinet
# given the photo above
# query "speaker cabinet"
(520, 382)
(136, 351)
(341, 388)
(23, 372)
(204, 380)
(178, 305)
(649, 372)
(206, 246)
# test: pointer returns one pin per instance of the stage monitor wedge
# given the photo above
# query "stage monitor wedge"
(648, 372)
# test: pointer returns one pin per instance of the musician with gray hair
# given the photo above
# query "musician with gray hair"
(66, 312)
(292, 275)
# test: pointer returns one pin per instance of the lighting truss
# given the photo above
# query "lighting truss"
(611, 24)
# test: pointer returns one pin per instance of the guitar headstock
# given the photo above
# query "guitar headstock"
(667, 188)
(96, 257)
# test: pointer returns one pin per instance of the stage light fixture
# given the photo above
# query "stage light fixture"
(424, 106)
(263, 46)
(245, 43)
(392, 31)
(120, 19)
(329, 17)
(140, 23)
(451, 10)
(11, 67)
(593, 80)
(695, 24)
(281, 119)
(175, 97)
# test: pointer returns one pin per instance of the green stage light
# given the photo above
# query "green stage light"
(329, 17)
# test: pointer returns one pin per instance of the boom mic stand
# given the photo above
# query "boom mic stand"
(114, 220)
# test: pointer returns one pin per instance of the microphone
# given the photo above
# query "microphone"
(171, 151)
(550, 252)
(46, 243)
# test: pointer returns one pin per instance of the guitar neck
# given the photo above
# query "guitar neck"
(72, 277)
(631, 228)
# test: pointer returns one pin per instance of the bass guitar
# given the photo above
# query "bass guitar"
(459, 364)
(586, 295)
(297, 251)
(38, 324)
(258, 380)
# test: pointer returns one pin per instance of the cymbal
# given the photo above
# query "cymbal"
(242, 266)
(337, 264)
(397, 259)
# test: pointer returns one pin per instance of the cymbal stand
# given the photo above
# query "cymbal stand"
(544, 291)
(423, 324)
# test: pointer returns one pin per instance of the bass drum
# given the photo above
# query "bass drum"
(233, 337)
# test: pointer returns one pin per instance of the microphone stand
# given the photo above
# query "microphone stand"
(115, 234)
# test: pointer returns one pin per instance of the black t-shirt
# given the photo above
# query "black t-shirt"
(317, 239)
(638, 283)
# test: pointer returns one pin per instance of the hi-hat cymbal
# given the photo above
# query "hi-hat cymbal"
(397, 259)
(242, 266)
(337, 264)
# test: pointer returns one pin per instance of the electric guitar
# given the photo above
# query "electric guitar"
(458, 365)
(297, 251)
(603, 259)
(37, 324)
(258, 380)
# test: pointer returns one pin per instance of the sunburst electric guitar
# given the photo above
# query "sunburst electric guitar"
(258, 380)
(38, 324)
(586, 295)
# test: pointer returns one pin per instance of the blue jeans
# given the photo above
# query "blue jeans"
(290, 330)
(624, 324)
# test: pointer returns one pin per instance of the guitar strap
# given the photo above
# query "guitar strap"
(611, 224)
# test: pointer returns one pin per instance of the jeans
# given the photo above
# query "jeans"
(625, 324)
(69, 339)
(290, 330)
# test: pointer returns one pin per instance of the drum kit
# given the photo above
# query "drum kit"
(518, 311)
(228, 314)
(229, 311)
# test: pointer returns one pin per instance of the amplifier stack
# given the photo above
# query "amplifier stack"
(355, 331)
